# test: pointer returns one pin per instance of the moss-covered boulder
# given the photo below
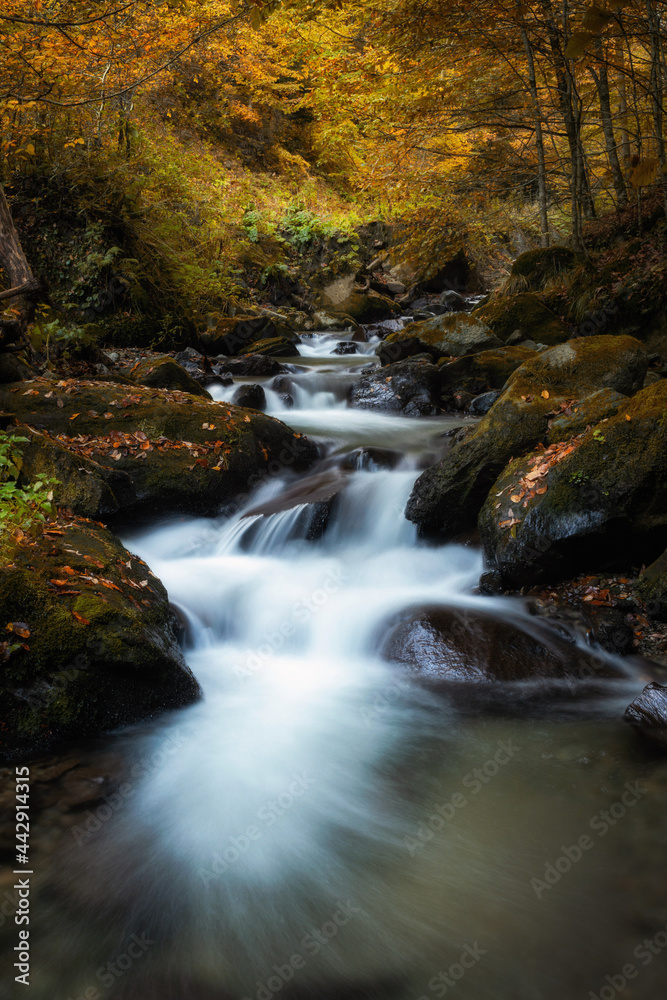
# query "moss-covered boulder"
(409, 387)
(532, 270)
(588, 411)
(366, 307)
(451, 335)
(231, 335)
(12, 369)
(274, 347)
(151, 452)
(598, 500)
(526, 314)
(163, 372)
(88, 639)
(448, 497)
(477, 373)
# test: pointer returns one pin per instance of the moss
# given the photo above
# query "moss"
(590, 410)
(478, 373)
(101, 650)
(453, 335)
(164, 373)
(526, 313)
(532, 270)
(274, 347)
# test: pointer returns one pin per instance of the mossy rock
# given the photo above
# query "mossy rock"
(604, 506)
(101, 650)
(199, 454)
(12, 369)
(526, 313)
(447, 498)
(477, 373)
(534, 269)
(588, 411)
(164, 373)
(275, 347)
(365, 308)
(452, 335)
(232, 335)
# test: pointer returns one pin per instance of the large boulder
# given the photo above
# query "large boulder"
(525, 314)
(253, 365)
(151, 452)
(534, 269)
(443, 645)
(591, 410)
(409, 387)
(652, 588)
(232, 335)
(275, 347)
(344, 299)
(599, 499)
(448, 497)
(477, 373)
(451, 335)
(648, 714)
(89, 639)
(164, 373)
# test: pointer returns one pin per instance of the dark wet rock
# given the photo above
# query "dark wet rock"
(189, 357)
(164, 373)
(526, 315)
(452, 301)
(448, 497)
(648, 714)
(401, 350)
(150, 452)
(442, 645)
(252, 365)
(372, 459)
(275, 347)
(252, 397)
(588, 411)
(652, 588)
(318, 495)
(409, 387)
(453, 335)
(12, 369)
(481, 405)
(610, 629)
(346, 347)
(101, 650)
(457, 273)
(462, 400)
(479, 373)
(604, 504)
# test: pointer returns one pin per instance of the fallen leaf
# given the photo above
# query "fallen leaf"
(80, 618)
(545, 394)
(18, 628)
(74, 416)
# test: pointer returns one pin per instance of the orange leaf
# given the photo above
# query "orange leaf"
(545, 394)
(18, 628)
(80, 618)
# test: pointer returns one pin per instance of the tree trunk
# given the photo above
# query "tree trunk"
(539, 140)
(602, 83)
(20, 281)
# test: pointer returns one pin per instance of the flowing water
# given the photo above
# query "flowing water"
(318, 826)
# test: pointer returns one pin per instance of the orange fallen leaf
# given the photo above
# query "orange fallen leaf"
(18, 628)
(74, 416)
(545, 394)
(80, 618)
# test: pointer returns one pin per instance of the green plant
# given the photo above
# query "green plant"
(579, 478)
(25, 507)
(599, 436)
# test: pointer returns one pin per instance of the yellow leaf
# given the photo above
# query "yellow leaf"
(545, 394)
(30, 149)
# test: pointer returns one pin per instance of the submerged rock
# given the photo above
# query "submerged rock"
(648, 714)
(600, 502)
(150, 452)
(409, 387)
(92, 639)
(448, 497)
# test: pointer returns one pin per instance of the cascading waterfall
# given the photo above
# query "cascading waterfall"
(314, 825)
